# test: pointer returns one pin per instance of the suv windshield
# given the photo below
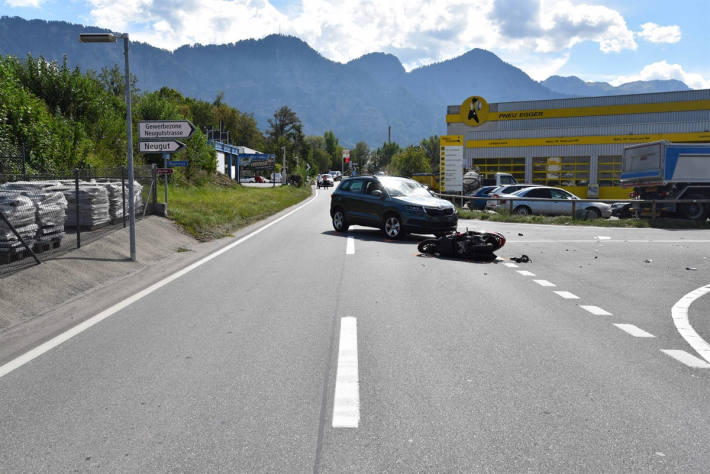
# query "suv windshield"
(403, 187)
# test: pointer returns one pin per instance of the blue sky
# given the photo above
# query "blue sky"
(597, 40)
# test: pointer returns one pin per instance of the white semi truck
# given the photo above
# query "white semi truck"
(670, 171)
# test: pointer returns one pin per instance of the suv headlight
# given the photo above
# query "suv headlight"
(414, 209)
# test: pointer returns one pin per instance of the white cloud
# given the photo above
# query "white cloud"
(535, 34)
(663, 70)
(659, 34)
(24, 3)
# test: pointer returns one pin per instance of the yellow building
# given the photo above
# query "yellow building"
(574, 143)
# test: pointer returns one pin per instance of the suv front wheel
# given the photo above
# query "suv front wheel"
(393, 227)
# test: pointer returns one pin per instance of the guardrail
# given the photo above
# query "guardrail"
(637, 204)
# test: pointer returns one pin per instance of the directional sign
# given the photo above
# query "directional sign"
(160, 147)
(165, 170)
(174, 164)
(164, 129)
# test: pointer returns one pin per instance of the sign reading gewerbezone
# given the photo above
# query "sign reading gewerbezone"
(256, 161)
(164, 129)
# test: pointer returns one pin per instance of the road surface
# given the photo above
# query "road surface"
(302, 350)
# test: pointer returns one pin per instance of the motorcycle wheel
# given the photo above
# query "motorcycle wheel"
(427, 246)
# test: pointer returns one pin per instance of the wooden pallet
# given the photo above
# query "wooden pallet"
(48, 245)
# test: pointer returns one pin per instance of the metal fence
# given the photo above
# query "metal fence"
(638, 207)
(45, 215)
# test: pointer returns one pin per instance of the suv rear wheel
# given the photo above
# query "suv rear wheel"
(340, 224)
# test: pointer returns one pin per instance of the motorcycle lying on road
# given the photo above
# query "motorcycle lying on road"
(469, 244)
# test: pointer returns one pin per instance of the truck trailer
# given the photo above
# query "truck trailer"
(665, 171)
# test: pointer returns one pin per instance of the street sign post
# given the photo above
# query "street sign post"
(160, 147)
(164, 129)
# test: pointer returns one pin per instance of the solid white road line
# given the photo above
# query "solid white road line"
(350, 247)
(510, 265)
(526, 273)
(544, 283)
(603, 237)
(680, 319)
(634, 330)
(687, 359)
(346, 403)
(595, 310)
(567, 295)
(79, 328)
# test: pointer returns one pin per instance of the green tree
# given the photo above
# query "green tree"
(286, 130)
(359, 155)
(409, 161)
(431, 148)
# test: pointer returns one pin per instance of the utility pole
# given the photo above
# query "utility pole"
(283, 167)
(389, 133)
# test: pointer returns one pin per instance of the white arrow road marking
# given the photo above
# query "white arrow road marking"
(680, 319)
(567, 295)
(634, 330)
(350, 247)
(544, 283)
(346, 403)
(526, 273)
(595, 310)
(687, 359)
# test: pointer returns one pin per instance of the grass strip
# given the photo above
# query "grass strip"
(659, 223)
(216, 209)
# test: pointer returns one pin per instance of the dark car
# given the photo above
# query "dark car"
(482, 192)
(395, 205)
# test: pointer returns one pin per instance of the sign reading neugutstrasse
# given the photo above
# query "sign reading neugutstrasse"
(160, 129)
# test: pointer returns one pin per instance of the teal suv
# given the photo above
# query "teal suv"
(395, 205)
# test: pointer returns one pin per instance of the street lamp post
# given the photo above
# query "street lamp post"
(111, 38)
(283, 169)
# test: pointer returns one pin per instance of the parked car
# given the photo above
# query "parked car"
(587, 210)
(480, 204)
(395, 205)
(276, 178)
(247, 179)
(505, 189)
(260, 179)
(622, 210)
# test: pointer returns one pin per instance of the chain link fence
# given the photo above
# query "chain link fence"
(45, 215)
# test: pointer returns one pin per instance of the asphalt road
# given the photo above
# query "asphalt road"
(440, 365)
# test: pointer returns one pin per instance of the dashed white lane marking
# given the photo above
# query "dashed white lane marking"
(603, 237)
(544, 283)
(687, 359)
(79, 328)
(510, 265)
(680, 319)
(567, 295)
(346, 403)
(526, 273)
(633, 330)
(350, 247)
(595, 310)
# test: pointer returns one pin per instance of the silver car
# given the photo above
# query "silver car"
(550, 207)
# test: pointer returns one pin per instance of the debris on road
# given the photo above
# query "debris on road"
(690, 268)
(648, 260)
(522, 259)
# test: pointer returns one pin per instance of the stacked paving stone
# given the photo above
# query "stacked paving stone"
(50, 207)
(19, 210)
(93, 205)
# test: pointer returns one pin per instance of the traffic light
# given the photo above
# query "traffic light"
(347, 160)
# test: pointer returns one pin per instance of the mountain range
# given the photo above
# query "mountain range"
(358, 100)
